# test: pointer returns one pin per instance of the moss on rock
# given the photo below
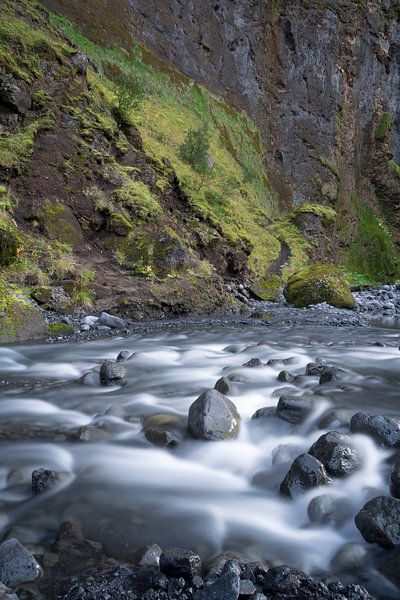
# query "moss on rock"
(9, 244)
(267, 288)
(60, 224)
(61, 329)
(319, 283)
(19, 318)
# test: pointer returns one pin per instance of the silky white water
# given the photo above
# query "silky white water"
(201, 495)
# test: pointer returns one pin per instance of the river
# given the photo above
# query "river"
(208, 496)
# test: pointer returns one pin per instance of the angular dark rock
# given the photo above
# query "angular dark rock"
(17, 564)
(223, 385)
(295, 409)
(253, 363)
(149, 556)
(178, 562)
(305, 473)
(161, 437)
(111, 371)
(226, 587)
(384, 430)
(337, 452)
(213, 417)
(43, 480)
(379, 521)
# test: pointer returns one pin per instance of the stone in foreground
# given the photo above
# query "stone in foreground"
(226, 587)
(337, 453)
(305, 473)
(316, 284)
(178, 562)
(213, 417)
(384, 430)
(17, 564)
(379, 521)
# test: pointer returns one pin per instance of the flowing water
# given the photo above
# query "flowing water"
(208, 496)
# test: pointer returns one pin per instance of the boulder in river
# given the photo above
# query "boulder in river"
(395, 478)
(17, 564)
(111, 321)
(384, 430)
(379, 521)
(44, 479)
(349, 558)
(111, 371)
(213, 417)
(329, 509)
(330, 374)
(223, 385)
(285, 376)
(266, 412)
(338, 454)
(178, 562)
(253, 363)
(305, 473)
(161, 437)
(295, 409)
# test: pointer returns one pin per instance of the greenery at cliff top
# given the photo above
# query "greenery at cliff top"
(319, 283)
(233, 194)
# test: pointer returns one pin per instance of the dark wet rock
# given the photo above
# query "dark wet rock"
(178, 562)
(161, 437)
(384, 430)
(349, 558)
(213, 417)
(17, 564)
(15, 93)
(111, 371)
(233, 348)
(337, 453)
(226, 587)
(330, 374)
(223, 385)
(253, 363)
(90, 378)
(284, 580)
(44, 480)
(265, 413)
(149, 556)
(285, 376)
(329, 509)
(111, 321)
(247, 587)
(314, 369)
(284, 453)
(124, 355)
(390, 566)
(88, 433)
(6, 593)
(379, 521)
(295, 409)
(216, 565)
(332, 419)
(197, 582)
(305, 473)
(395, 478)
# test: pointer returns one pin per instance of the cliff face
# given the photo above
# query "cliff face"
(316, 76)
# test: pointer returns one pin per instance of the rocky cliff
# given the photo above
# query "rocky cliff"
(298, 106)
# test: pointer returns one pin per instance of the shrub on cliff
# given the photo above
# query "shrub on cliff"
(194, 149)
(319, 283)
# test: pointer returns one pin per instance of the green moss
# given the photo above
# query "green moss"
(319, 283)
(288, 233)
(16, 148)
(327, 214)
(267, 288)
(61, 329)
(9, 245)
(394, 168)
(60, 224)
(372, 252)
(330, 166)
(137, 197)
(19, 320)
(384, 126)
(120, 224)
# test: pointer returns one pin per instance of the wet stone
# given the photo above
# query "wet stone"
(247, 587)
(384, 430)
(337, 453)
(178, 562)
(17, 564)
(285, 377)
(330, 374)
(149, 556)
(111, 321)
(226, 587)
(265, 413)
(223, 385)
(395, 478)
(349, 558)
(124, 355)
(379, 521)
(295, 409)
(111, 371)
(329, 509)
(161, 437)
(213, 417)
(253, 363)
(43, 480)
(305, 473)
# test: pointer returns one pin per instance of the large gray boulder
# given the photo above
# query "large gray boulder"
(17, 564)
(213, 417)
(379, 521)
(384, 430)
(111, 321)
(305, 473)
(337, 453)
(295, 409)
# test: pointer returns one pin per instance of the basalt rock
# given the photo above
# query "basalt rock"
(213, 417)
(17, 564)
(178, 562)
(384, 430)
(379, 521)
(329, 509)
(295, 409)
(337, 452)
(395, 478)
(111, 371)
(305, 473)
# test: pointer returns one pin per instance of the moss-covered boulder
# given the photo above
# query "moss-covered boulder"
(9, 245)
(319, 283)
(61, 329)
(266, 288)
(19, 318)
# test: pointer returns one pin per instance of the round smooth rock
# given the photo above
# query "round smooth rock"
(213, 417)
(349, 558)
(384, 430)
(295, 409)
(329, 509)
(223, 385)
(337, 453)
(111, 371)
(379, 521)
(305, 473)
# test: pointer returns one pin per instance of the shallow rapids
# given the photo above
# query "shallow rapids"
(207, 496)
